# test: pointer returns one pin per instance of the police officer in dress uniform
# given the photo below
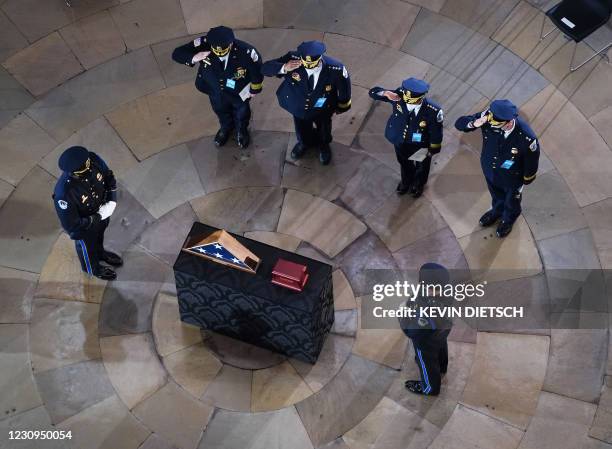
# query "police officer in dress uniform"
(314, 87)
(85, 197)
(509, 160)
(230, 76)
(429, 335)
(416, 122)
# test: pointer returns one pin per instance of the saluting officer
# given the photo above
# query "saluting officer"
(230, 77)
(429, 335)
(315, 87)
(85, 197)
(509, 160)
(416, 122)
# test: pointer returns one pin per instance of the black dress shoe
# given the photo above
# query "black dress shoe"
(416, 191)
(298, 151)
(414, 386)
(401, 189)
(325, 155)
(105, 273)
(243, 138)
(488, 219)
(112, 258)
(503, 229)
(222, 137)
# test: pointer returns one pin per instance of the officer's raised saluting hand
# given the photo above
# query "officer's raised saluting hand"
(200, 56)
(292, 65)
(391, 95)
(481, 121)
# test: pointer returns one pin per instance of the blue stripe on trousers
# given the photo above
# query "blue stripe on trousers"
(428, 385)
(85, 256)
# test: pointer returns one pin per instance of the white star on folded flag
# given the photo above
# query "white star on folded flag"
(219, 252)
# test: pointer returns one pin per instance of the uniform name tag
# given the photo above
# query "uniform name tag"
(417, 137)
(507, 164)
(230, 83)
(320, 102)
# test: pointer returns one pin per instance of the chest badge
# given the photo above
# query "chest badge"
(423, 124)
(296, 76)
(514, 151)
(63, 205)
(240, 73)
(84, 198)
(328, 88)
(99, 176)
(399, 108)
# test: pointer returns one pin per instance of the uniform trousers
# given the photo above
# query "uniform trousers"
(413, 173)
(90, 247)
(506, 201)
(431, 356)
(314, 131)
(233, 113)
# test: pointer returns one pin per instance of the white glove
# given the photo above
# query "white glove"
(107, 209)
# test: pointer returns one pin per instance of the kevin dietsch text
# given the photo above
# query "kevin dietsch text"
(450, 312)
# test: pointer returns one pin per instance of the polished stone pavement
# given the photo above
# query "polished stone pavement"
(113, 363)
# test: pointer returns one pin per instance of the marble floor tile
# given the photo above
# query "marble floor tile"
(36, 418)
(240, 354)
(435, 409)
(14, 98)
(495, 72)
(390, 426)
(509, 258)
(402, 220)
(106, 425)
(170, 333)
(133, 367)
(362, 19)
(259, 165)
(384, 346)
(94, 39)
(241, 209)
(156, 442)
(235, 14)
(173, 72)
(62, 333)
(542, 109)
(368, 252)
(275, 42)
(600, 121)
(484, 16)
(269, 430)
(193, 368)
(44, 65)
(336, 444)
(439, 247)
(62, 278)
(22, 144)
(17, 291)
(460, 208)
(127, 305)
(308, 175)
(593, 95)
(28, 223)
(344, 298)
(230, 390)
(577, 363)
(574, 250)
(318, 222)
(336, 350)
(303, 15)
(71, 389)
(345, 323)
(164, 181)
(267, 115)
(175, 415)
(599, 218)
(601, 428)
(81, 100)
(35, 19)
(550, 208)
(144, 22)
(99, 137)
(163, 119)
(559, 422)
(166, 236)
(468, 429)
(276, 239)
(371, 140)
(277, 387)
(370, 187)
(592, 443)
(19, 391)
(11, 38)
(128, 222)
(346, 126)
(524, 83)
(346, 400)
(500, 388)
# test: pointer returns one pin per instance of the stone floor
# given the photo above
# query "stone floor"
(112, 362)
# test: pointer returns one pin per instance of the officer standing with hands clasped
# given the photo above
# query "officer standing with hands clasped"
(509, 160)
(230, 76)
(429, 335)
(313, 89)
(85, 197)
(415, 124)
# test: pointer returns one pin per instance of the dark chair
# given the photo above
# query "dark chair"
(578, 19)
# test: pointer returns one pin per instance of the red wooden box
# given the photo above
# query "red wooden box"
(290, 275)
